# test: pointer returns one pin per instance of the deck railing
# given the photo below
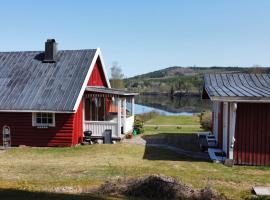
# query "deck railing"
(98, 128)
(129, 124)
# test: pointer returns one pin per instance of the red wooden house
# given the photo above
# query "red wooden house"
(49, 98)
(241, 116)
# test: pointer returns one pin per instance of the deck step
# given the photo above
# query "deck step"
(216, 155)
(262, 191)
(211, 141)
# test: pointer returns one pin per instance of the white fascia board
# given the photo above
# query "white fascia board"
(36, 111)
(240, 99)
(96, 56)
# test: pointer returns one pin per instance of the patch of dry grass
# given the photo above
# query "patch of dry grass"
(45, 169)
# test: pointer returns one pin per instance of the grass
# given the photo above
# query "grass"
(47, 169)
(153, 130)
(179, 124)
(39, 173)
(174, 120)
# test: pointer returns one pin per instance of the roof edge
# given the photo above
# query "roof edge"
(115, 91)
(36, 111)
(94, 60)
(241, 99)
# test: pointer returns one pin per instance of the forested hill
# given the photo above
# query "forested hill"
(181, 80)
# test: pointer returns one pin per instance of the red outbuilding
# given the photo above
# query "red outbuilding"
(51, 97)
(241, 116)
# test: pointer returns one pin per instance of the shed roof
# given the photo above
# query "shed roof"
(28, 84)
(109, 91)
(237, 87)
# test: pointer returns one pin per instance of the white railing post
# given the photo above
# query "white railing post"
(132, 106)
(124, 114)
(119, 117)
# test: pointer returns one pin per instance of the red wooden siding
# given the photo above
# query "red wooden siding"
(97, 77)
(78, 126)
(220, 125)
(23, 133)
(252, 134)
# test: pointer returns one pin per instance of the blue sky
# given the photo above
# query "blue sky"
(144, 35)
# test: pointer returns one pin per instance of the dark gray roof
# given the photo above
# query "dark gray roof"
(26, 83)
(238, 87)
(111, 91)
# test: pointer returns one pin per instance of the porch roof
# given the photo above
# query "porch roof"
(109, 91)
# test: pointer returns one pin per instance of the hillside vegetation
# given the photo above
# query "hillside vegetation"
(181, 80)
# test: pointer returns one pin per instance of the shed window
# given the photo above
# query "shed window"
(43, 119)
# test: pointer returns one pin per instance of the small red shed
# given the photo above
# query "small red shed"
(241, 115)
(47, 97)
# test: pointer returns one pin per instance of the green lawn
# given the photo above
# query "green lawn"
(179, 124)
(171, 129)
(39, 173)
(174, 120)
(46, 169)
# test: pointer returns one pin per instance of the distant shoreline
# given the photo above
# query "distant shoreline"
(176, 94)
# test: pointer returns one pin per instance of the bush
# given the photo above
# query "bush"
(138, 126)
(206, 120)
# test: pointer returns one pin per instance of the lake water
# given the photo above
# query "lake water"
(140, 109)
(177, 106)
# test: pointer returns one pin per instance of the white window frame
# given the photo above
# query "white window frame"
(34, 120)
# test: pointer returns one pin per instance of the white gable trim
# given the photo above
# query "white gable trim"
(104, 69)
(30, 111)
(97, 55)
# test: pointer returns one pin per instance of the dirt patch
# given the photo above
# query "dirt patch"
(156, 187)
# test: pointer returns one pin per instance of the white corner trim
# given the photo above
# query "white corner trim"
(94, 60)
(215, 124)
(233, 107)
(225, 126)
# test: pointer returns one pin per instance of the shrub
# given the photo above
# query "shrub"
(138, 126)
(206, 120)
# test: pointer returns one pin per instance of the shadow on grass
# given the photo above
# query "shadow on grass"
(174, 147)
(13, 194)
